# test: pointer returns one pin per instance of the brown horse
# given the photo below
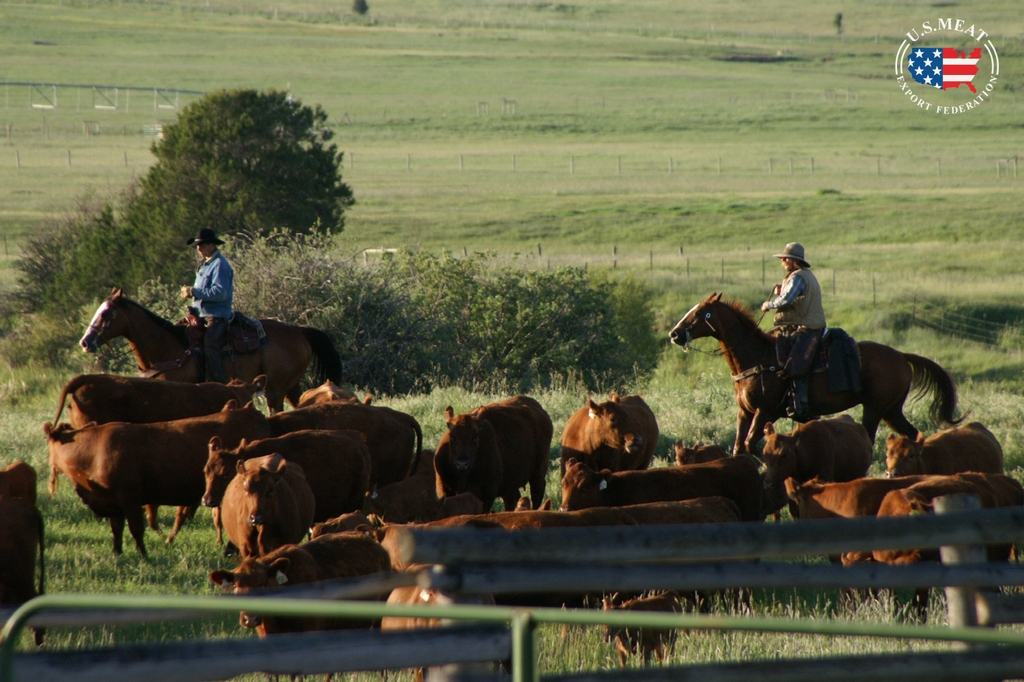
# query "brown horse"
(886, 376)
(162, 350)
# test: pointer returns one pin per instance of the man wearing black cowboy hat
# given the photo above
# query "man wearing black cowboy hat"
(799, 321)
(212, 296)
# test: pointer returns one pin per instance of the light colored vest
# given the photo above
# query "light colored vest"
(806, 310)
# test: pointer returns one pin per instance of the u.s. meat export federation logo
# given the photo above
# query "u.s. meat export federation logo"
(948, 67)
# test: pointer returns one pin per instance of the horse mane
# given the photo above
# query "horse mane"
(746, 319)
(175, 330)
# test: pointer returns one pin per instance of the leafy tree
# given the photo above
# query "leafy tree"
(360, 6)
(838, 23)
(238, 161)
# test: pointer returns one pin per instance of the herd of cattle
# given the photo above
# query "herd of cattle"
(349, 474)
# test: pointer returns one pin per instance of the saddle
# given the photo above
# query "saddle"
(245, 334)
(836, 353)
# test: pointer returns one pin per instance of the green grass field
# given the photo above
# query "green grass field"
(670, 140)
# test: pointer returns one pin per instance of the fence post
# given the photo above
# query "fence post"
(762, 269)
(540, 251)
(513, 163)
(723, 269)
(524, 648)
(812, 165)
(961, 610)
(17, 158)
(652, 260)
(460, 162)
(619, 166)
(687, 268)
(874, 292)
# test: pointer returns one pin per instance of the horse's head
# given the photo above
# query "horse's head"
(700, 321)
(106, 323)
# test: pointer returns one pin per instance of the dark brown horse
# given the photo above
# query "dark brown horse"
(161, 349)
(887, 376)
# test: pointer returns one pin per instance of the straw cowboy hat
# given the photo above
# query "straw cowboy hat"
(208, 236)
(794, 250)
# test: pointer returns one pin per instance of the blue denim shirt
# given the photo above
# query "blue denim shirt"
(214, 289)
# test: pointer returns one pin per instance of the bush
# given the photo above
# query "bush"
(417, 321)
(360, 7)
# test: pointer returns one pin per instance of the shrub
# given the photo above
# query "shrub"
(417, 321)
(360, 7)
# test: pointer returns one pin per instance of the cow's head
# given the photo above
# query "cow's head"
(804, 504)
(779, 456)
(252, 574)
(609, 424)
(903, 455)
(698, 322)
(685, 455)
(221, 466)
(464, 432)
(260, 484)
(108, 322)
(582, 487)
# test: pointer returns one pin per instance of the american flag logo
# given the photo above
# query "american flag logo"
(944, 67)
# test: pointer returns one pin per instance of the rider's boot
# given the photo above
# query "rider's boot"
(798, 406)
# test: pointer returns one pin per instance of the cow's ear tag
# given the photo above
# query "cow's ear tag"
(593, 415)
(374, 495)
(281, 578)
(603, 485)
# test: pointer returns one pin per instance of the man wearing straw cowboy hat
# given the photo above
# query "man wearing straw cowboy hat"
(212, 295)
(799, 321)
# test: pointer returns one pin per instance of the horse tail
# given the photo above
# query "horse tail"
(326, 362)
(929, 377)
(69, 388)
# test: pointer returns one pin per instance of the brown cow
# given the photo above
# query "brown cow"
(336, 464)
(817, 499)
(419, 596)
(697, 510)
(267, 504)
(495, 450)
(458, 505)
(632, 640)
(619, 434)
(394, 438)
(698, 454)
(328, 557)
(411, 499)
(971, 447)
(835, 449)
(735, 478)
(994, 490)
(104, 398)
(325, 393)
(340, 524)
(21, 537)
(118, 468)
(18, 479)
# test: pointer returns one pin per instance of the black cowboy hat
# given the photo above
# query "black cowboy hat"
(205, 236)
